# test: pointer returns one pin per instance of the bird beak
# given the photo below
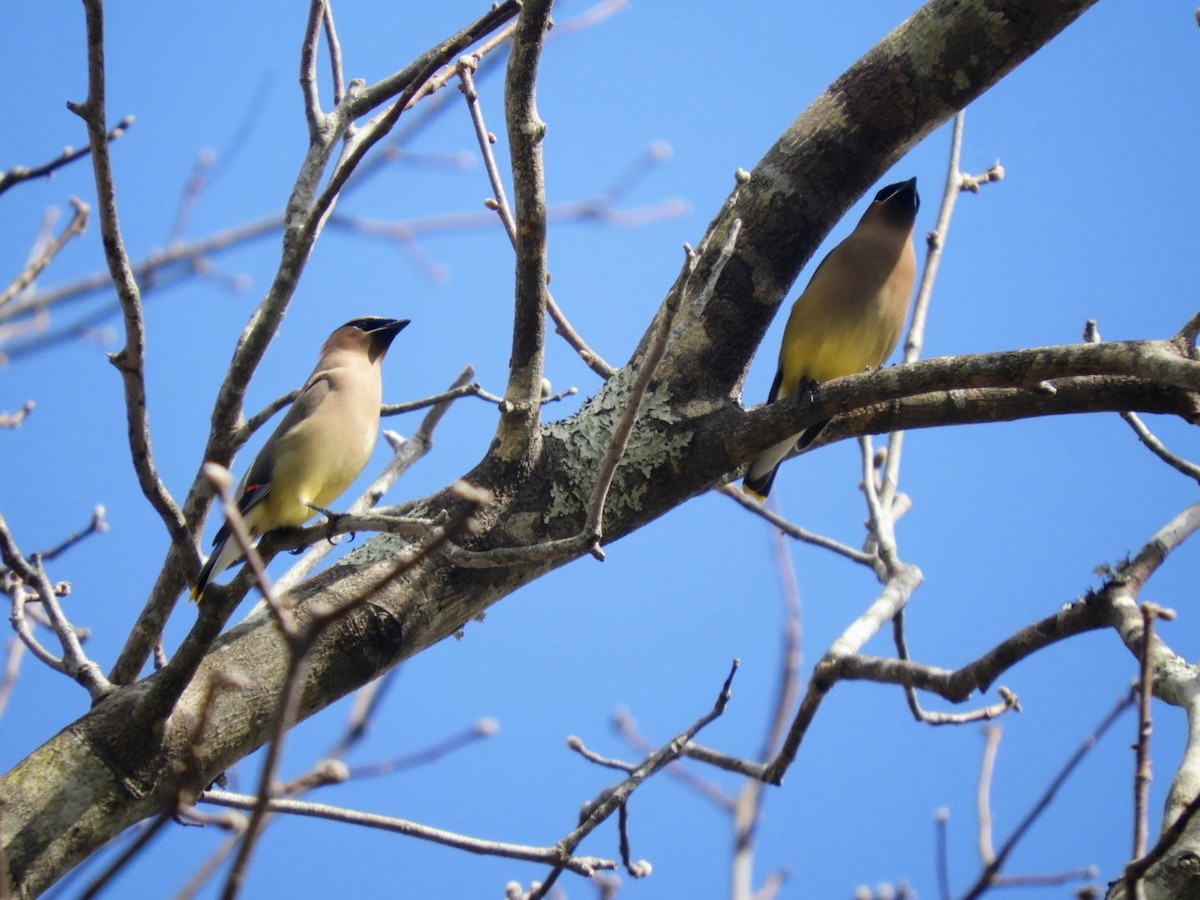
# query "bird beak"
(390, 327)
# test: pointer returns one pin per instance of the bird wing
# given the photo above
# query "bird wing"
(776, 385)
(256, 486)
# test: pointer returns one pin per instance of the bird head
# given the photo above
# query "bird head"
(376, 331)
(898, 203)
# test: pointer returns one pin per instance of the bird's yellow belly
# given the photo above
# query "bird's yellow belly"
(301, 477)
(833, 348)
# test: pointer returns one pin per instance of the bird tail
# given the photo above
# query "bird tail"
(761, 474)
(758, 489)
(224, 554)
(206, 573)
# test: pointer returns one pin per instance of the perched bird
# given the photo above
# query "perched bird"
(849, 317)
(320, 446)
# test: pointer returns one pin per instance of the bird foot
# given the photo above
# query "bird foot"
(333, 519)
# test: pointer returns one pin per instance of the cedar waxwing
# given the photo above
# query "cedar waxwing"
(321, 445)
(850, 316)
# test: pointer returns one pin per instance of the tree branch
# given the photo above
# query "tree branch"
(517, 432)
(17, 174)
(130, 361)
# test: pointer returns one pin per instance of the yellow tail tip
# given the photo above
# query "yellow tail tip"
(749, 491)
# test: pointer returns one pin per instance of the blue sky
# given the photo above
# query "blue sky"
(1096, 218)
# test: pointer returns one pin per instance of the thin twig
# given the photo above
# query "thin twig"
(14, 420)
(367, 701)
(1008, 700)
(604, 806)
(192, 189)
(956, 182)
(97, 525)
(1159, 449)
(750, 798)
(646, 368)
(284, 715)
(1142, 772)
(942, 854)
(1187, 334)
(1151, 612)
(336, 70)
(499, 203)
(308, 72)
(12, 670)
(148, 833)
(17, 174)
(795, 531)
(577, 745)
(37, 265)
(31, 574)
(589, 537)
(299, 639)
(625, 726)
(481, 730)
(130, 361)
(983, 794)
(554, 855)
(985, 879)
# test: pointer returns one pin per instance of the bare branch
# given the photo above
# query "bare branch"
(97, 525)
(154, 272)
(12, 670)
(517, 434)
(1166, 840)
(17, 174)
(130, 361)
(1151, 612)
(1008, 700)
(646, 367)
(941, 818)
(1159, 449)
(37, 265)
(555, 855)
(985, 879)
(14, 420)
(336, 70)
(500, 204)
(795, 531)
(935, 243)
(29, 574)
(983, 800)
(1187, 334)
(313, 115)
(749, 804)
(481, 730)
(618, 795)
(625, 726)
